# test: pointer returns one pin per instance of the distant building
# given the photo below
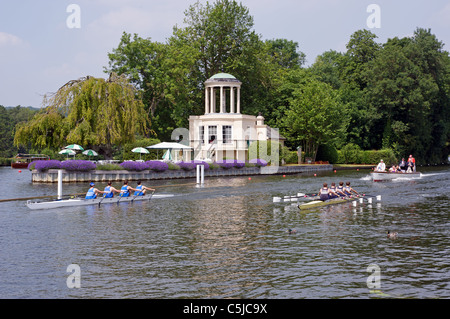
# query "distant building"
(223, 132)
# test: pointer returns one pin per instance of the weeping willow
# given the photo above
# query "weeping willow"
(94, 112)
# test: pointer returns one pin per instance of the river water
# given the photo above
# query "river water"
(229, 240)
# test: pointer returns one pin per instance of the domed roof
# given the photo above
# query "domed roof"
(222, 77)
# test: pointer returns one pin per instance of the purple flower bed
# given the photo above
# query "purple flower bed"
(134, 166)
(258, 162)
(187, 166)
(78, 165)
(196, 163)
(227, 164)
(157, 166)
(42, 165)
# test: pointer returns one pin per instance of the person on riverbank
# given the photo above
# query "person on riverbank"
(92, 192)
(108, 192)
(125, 190)
(141, 189)
(381, 167)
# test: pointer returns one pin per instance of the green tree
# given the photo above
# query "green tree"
(328, 68)
(216, 37)
(408, 84)
(93, 112)
(9, 117)
(285, 53)
(314, 116)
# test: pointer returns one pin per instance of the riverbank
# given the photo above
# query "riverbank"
(51, 176)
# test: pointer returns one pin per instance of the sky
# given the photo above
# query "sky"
(45, 44)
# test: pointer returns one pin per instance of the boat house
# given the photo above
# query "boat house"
(223, 132)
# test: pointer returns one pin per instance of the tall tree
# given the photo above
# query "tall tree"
(216, 37)
(93, 112)
(314, 115)
(408, 84)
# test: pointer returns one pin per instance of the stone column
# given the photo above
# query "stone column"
(221, 100)
(212, 103)
(238, 100)
(231, 99)
(206, 101)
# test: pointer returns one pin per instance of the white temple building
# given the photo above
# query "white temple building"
(223, 132)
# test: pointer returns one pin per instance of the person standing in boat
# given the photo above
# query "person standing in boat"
(125, 190)
(92, 192)
(141, 189)
(411, 164)
(381, 167)
(108, 192)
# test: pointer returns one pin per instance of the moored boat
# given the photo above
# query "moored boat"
(22, 160)
(96, 201)
(386, 176)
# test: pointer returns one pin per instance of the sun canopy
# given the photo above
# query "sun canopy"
(67, 152)
(74, 147)
(169, 145)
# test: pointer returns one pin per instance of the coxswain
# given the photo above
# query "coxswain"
(141, 189)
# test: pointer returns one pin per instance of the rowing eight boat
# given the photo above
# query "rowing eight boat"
(95, 201)
(319, 203)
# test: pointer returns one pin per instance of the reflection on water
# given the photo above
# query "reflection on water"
(229, 240)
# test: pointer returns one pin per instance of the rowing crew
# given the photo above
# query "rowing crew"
(125, 190)
(326, 192)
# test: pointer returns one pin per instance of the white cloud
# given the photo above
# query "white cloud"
(7, 39)
(108, 28)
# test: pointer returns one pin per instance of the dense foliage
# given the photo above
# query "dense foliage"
(93, 112)
(392, 96)
(9, 117)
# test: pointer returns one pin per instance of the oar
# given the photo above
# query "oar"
(104, 196)
(135, 196)
(378, 197)
(151, 195)
(306, 195)
(37, 197)
(120, 197)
